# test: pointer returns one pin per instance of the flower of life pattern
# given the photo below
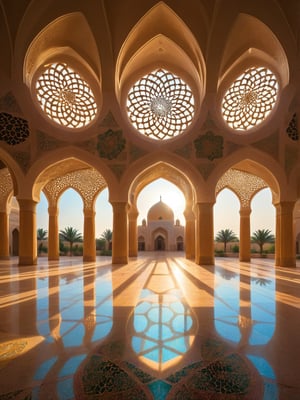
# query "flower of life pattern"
(243, 184)
(65, 97)
(250, 98)
(88, 183)
(160, 105)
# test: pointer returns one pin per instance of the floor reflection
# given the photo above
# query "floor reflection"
(158, 328)
(163, 325)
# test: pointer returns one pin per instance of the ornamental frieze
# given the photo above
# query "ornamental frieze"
(110, 144)
(209, 146)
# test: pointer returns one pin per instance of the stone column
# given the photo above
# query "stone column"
(120, 233)
(277, 236)
(189, 240)
(204, 234)
(133, 239)
(4, 235)
(28, 232)
(287, 240)
(53, 235)
(245, 235)
(89, 240)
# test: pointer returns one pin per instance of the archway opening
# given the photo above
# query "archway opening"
(161, 206)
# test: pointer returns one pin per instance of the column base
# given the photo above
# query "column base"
(89, 258)
(27, 261)
(120, 260)
(205, 260)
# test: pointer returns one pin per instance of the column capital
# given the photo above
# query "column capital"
(27, 204)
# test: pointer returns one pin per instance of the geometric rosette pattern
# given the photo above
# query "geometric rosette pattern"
(250, 98)
(65, 96)
(160, 105)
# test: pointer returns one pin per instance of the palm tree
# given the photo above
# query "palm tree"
(41, 235)
(107, 236)
(262, 236)
(225, 236)
(70, 235)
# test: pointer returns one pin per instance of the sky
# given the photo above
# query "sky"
(226, 209)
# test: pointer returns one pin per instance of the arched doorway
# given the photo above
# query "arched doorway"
(179, 243)
(15, 242)
(141, 243)
(159, 243)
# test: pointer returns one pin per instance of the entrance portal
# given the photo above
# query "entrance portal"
(159, 243)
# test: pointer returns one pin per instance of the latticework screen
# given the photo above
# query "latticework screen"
(65, 96)
(250, 98)
(160, 105)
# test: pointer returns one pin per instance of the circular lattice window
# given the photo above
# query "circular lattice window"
(65, 96)
(250, 98)
(160, 105)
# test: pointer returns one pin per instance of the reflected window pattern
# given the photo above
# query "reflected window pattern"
(263, 308)
(250, 98)
(162, 328)
(65, 96)
(237, 311)
(160, 105)
(72, 322)
(247, 317)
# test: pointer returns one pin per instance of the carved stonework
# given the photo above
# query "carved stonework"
(292, 129)
(87, 182)
(6, 186)
(110, 144)
(9, 103)
(184, 151)
(209, 146)
(244, 184)
(13, 130)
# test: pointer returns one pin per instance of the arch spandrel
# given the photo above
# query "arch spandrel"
(6, 188)
(56, 164)
(87, 182)
(243, 184)
(249, 160)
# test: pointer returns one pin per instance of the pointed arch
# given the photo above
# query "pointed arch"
(160, 39)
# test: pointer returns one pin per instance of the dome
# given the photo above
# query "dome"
(160, 211)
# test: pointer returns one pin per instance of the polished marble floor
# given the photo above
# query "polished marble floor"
(158, 328)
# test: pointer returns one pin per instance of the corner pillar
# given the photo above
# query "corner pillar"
(286, 236)
(53, 235)
(28, 232)
(204, 234)
(245, 235)
(4, 235)
(89, 240)
(189, 240)
(133, 239)
(120, 233)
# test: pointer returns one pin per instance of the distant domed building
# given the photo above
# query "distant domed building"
(160, 232)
